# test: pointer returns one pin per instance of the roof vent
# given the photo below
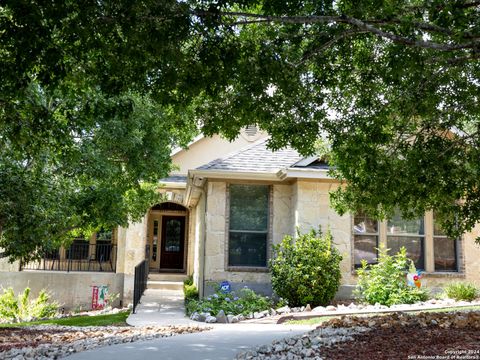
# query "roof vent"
(251, 130)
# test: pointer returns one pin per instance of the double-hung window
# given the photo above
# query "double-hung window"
(365, 239)
(426, 244)
(444, 249)
(248, 225)
(409, 234)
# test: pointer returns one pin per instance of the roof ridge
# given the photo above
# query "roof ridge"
(234, 153)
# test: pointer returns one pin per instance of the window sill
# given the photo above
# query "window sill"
(447, 274)
(435, 274)
(247, 269)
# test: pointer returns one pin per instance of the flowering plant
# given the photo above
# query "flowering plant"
(244, 301)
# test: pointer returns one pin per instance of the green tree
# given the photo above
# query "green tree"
(94, 94)
(102, 174)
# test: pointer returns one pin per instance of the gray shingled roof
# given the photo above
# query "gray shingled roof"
(255, 158)
(175, 178)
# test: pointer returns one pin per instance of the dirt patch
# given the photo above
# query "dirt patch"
(11, 338)
(403, 336)
(47, 341)
(409, 342)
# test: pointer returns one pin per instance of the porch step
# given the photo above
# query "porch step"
(165, 285)
(166, 277)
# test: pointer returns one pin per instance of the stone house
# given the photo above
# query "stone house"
(226, 205)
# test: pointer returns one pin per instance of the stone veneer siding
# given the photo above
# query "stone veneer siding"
(216, 241)
(305, 204)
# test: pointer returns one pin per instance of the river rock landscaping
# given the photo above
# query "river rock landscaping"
(338, 309)
(394, 336)
(53, 342)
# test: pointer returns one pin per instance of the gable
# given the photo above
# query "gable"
(256, 158)
(207, 149)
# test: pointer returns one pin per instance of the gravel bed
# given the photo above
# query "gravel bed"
(337, 309)
(305, 346)
(395, 336)
(54, 342)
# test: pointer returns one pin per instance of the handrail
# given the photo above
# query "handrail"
(140, 282)
(77, 257)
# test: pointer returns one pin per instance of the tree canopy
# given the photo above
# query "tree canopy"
(95, 94)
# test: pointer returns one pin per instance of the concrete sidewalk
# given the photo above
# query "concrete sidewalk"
(222, 342)
(160, 308)
(163, 308)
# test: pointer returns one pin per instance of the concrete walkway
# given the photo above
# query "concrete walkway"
(163, 308)
(160, 308)
(222, 342)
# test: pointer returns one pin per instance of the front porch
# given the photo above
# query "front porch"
(78, 257)
(167, 238)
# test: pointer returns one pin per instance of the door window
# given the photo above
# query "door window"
(173, 235)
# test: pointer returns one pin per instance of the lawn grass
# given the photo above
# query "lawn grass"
(96, 320)
(322, 319)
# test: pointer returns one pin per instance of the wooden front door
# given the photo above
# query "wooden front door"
(173, 243)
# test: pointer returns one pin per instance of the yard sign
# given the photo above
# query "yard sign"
(99, 297)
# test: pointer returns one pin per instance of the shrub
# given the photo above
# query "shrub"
(188, 280)
(189, 289)
(385, 282)
(461, 291)
(306, 270)
(244, 302)
(17, 309)
(190, 292)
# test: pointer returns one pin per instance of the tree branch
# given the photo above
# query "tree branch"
(363, 25)
(328, 44)
(454, 61)
(424, 26)
(468, 4)
(248, 22)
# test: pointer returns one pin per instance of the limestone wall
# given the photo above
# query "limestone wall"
(312, 210)
(131, 247)
(198, 249)
(217, 236)
(72, 290)
(190, 241)
(471, 255)
(282, 215)
(5, 265)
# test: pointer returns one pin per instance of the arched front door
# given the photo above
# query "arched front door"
(167, 237)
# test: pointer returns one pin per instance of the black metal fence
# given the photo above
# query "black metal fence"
(78, 257)
(140, 282)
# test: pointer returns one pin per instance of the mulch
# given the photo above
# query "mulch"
(32, 337)
(23, 337)
(409, 342)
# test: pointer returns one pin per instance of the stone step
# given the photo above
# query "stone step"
(166, 277)
(165, 285)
